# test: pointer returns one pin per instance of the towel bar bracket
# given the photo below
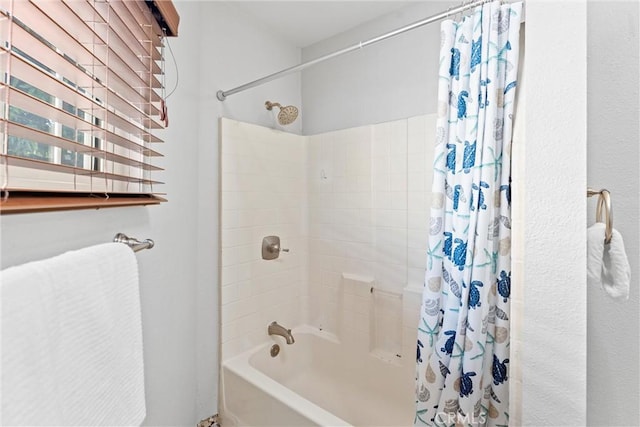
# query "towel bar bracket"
(135, 244)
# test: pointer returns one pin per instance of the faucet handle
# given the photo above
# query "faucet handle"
(271, 248)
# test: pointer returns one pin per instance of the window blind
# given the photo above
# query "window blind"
(80, 98)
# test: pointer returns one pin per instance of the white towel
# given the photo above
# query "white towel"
(72, 340)
(607, 265)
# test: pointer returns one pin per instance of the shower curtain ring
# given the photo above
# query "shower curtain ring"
(465, 5)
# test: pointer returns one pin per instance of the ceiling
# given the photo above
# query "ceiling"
(307, 22)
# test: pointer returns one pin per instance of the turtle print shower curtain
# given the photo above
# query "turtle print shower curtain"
(463, 335)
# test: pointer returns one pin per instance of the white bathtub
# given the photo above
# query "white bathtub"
(315, 382)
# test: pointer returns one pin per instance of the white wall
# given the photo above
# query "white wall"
(386, 81)
(613, 394)
(233, 49)
(218, 48)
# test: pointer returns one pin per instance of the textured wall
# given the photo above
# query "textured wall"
(553, 195)
(613, 345)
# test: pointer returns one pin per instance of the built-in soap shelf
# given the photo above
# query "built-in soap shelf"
(372, 317)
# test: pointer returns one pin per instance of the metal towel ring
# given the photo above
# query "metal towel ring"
(604, 207)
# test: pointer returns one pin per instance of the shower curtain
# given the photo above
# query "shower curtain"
(463, 335)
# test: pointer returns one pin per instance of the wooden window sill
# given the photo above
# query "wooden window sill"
(48, 202)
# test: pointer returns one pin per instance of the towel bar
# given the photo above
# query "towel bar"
(604, 206)
(135, 244)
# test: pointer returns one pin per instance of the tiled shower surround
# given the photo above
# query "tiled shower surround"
(353, 208)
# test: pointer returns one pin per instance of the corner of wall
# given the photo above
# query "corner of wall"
(554, 304)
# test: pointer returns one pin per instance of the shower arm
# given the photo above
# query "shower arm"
(223, 94)
(269, 105)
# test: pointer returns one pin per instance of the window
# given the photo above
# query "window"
(80, 102)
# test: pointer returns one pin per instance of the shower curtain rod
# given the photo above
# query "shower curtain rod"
(222, 94)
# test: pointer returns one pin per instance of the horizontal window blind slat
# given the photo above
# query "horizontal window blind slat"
(38, 164)
(127, 161)
(25, 42)
(66, 70)
(24, 101)
(32, 17)
(79, 54)
(117, 33)
(142, 13)
(79, 98)
(59, 12)
(21, 131)
(41, 108)
(67, 44)
(33, 105)
(146, 36)
(18, 130)
(51, 181)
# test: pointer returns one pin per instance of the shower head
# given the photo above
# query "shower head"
(287, 115)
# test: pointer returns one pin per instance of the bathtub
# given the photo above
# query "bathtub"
(315, 382)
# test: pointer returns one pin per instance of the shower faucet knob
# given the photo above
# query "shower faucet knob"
(271, 248)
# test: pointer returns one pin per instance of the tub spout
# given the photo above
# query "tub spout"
(275, 329)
